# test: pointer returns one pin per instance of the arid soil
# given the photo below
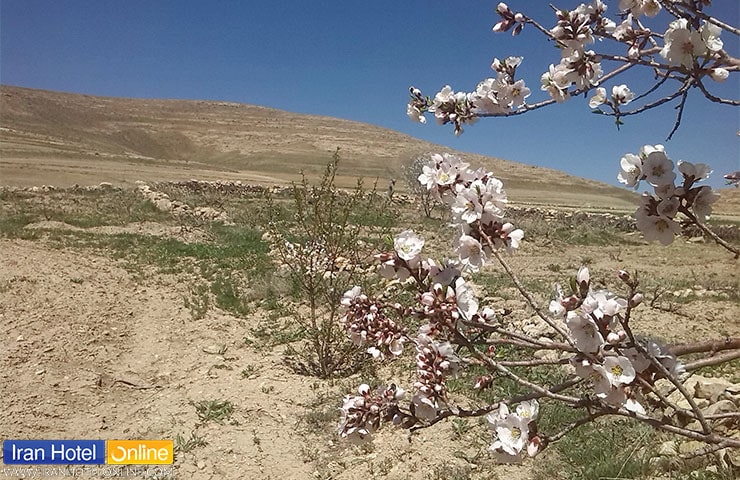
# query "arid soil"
(97, 348)
(94, 350)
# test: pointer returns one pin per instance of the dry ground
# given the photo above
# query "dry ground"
(99, 346)
(99, 343)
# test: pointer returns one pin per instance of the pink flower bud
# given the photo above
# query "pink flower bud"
(624, 275)
(636, 300)
(483, 382)
(533, 448)
(427, 298)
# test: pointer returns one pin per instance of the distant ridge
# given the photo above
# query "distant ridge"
(66, 138)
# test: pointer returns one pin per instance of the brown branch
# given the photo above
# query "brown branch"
(533, 363)
(527, 296)
(671, 378)
(572, 426)
(713, 98)
(708, 362)
(709, 232)
(479, 412)
(679, 115)
(708, 437)
(713, 346)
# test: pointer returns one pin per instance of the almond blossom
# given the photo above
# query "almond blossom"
(512, 431)
(682, 45)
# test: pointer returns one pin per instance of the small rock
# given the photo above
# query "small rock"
(546, 354)
(668, 449)
(20, 338)
(729, 457)
(722, 406)
(691, 446)
(40, 372)
(711, 388)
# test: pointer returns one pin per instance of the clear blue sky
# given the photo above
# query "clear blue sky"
(349, 59)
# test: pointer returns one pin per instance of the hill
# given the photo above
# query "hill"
(62, 139)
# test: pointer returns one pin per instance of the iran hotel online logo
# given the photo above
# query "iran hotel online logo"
(88, 452)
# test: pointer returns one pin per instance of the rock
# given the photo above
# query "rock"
(729, 457)
(668, 449)
(536, 328)
(546, 354)
(163, 204)
(722, 406)
(711, 388)
(691, 446)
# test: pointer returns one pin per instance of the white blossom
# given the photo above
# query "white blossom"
(622, 95)
(703, 201)
(699, 171)
(658, 169)
(682, 45)
(408, 245)
(584, 332)
(710, 35)
(631, 170)
(657, 227)
(470, 252)
(598, 98)
(719, 74)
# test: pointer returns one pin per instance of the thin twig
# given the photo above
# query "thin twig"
(527, 296)
(713, 346)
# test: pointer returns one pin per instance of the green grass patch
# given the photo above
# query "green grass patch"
(213, 410)
(607, 448)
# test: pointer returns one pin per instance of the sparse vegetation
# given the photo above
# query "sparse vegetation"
(228, 267)
(331, 236)
(185, 445)
(213, 410)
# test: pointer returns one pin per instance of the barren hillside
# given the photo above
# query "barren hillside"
(62, 138)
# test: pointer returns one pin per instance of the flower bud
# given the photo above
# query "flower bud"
(636, 300)
(427, 298)
(533, 448)
(719, 74)
(483, 382)
(518, 17)
(624, 276)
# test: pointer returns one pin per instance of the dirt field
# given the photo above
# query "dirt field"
(122, 321)
(100, 344)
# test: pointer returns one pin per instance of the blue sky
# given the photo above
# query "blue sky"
(349, 59)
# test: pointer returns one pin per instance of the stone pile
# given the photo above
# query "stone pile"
(719, 401)
(164, 203)
(236, 187)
